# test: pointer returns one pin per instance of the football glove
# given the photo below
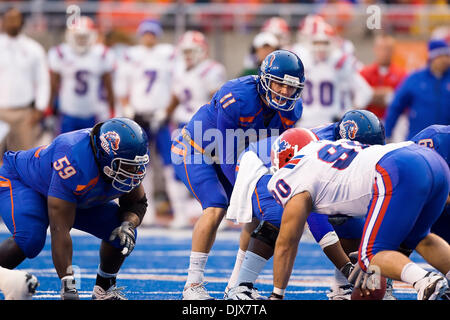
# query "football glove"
(68, 289)
(127, 235)
(359, 278)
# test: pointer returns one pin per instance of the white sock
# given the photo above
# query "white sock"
(196, 268)
(237, 267)
(411, 273)
(251, 267)
(339, 278)
(4, 273)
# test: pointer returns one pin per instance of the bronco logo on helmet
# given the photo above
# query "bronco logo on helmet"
(110, 140)
(348, 129)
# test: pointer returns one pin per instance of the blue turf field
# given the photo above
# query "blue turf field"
(157, 268)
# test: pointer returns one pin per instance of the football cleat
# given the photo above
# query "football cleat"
(19, 285)
(196, 291)
(245, 291)
(343, 292)
(431, 287)
(113, 293)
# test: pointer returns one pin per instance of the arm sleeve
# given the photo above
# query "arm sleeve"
(362, 90)
(122, 79)
(216, 78)
(400, 102)
(42, 80)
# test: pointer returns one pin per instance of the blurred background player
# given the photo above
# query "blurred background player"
(25, 84)
(382, 75)
(424, 93)
(194, 83)
(78, 69)
(144, 86)
(334, 84)
(263, 44)
(280, 29)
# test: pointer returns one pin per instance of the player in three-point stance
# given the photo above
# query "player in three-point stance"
(71, 183)
(268, 101)
(401, 188)
(257, 244)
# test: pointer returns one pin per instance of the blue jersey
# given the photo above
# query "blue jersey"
(436, 137)
(65, 169)
(265, 206)
(262, 147)
(326, 132)
(238, 105)
(426, 97)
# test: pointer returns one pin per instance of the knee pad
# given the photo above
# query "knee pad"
(267, 233)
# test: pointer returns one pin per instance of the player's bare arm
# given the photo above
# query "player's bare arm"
(293, 222)
(61, 215)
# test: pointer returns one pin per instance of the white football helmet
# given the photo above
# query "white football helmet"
(278, 27)
(194, 47)
(318, 35)
(82, 35)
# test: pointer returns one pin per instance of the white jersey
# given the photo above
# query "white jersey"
(194, 88)
(338, 175)
(80, 77)
(145, 76)
(332, 87)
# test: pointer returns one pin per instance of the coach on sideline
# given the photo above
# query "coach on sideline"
(425, 92)
(25, 83)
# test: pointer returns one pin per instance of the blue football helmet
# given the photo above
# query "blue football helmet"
(281, 79)
(121, 149)
(362, 126)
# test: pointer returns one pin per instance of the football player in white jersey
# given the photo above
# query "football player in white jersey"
(143, 86)
(334, 84)
(400, 188)
(195, 81)
(78, 68)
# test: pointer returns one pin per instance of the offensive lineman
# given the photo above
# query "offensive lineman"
(402, 188)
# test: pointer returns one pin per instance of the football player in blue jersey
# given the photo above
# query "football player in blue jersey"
(71, 183)
(205, 153)
(437, 137)
(256, 245)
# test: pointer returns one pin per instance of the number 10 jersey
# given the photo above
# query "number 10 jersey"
(338, 175)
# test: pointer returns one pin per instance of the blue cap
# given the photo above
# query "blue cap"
(437, 48)
(150, 25)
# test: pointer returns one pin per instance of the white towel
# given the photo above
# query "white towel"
(251, 169)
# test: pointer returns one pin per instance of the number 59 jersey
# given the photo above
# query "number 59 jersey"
(338, 175)
(65, 169)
